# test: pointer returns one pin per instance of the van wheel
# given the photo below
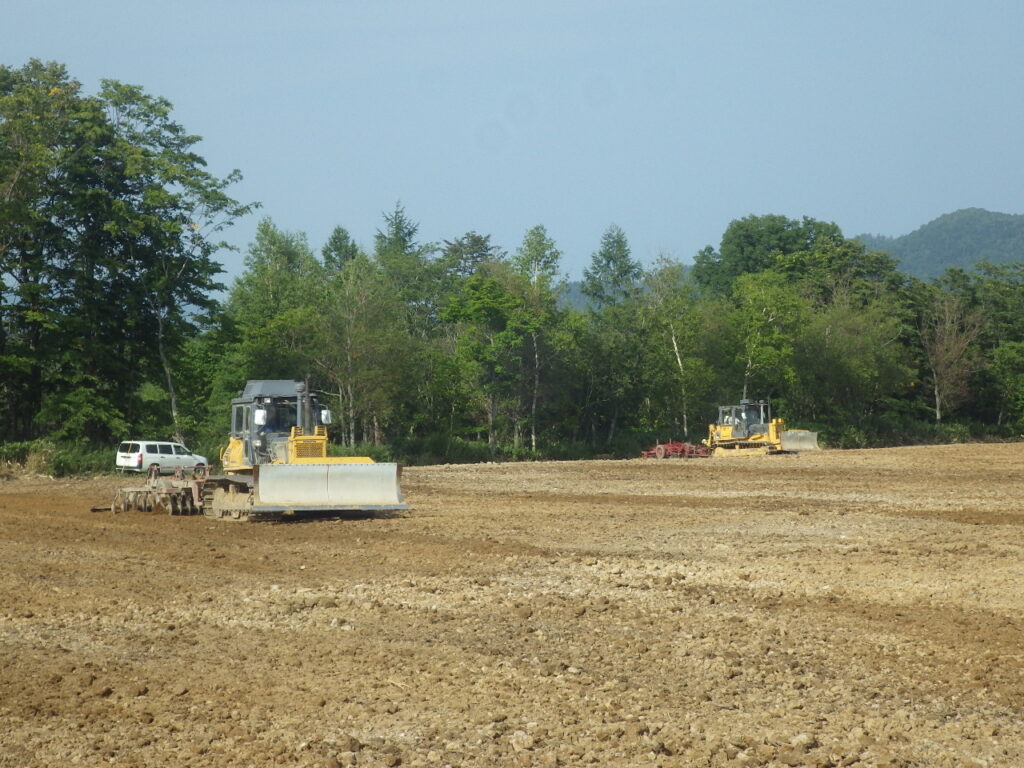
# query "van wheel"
(154, 471)
(199, 471)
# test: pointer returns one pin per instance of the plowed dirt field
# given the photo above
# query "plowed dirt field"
(860, 608)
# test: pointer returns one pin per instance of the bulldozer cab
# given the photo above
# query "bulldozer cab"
(265, 414)
(746, 419)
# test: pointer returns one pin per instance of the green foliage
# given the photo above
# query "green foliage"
(362, 349)
(1008, 367)
(538, 257)
(84, 410)
(46, 457)
(109, 326)
(18, 453)
(274, 303)
(463, 257)
(376, 452)
(767, 317)
(81, 459)
(756, 243)
(613, 274)
(339, 250)
(962, 239)
(108, 226)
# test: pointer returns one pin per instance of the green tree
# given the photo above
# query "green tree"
(768, 312)
(613, 274)
(536, 262)
(849, 362)
(996, 294)
(107, 237)
(538, 257)
(274, 305)
(408, 265)
(670, 302)
(462, 257)
(843, 268)
(1008, 366)
(171, 210)
(753, 244)
(491, 323)
(363, 350)
(339, 250)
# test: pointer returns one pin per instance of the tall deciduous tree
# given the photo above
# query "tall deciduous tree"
(107, 236)
(768, 312)
(538, 257)
(172, 211)
(670, 301)
(275, 305)
(363, 350)
(492, 324)
(537, 263)
(754, 243)
(948, 331)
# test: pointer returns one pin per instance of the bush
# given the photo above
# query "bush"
(16, 453)
(42, 457)
(952, 433)
(81, 459)
(567, 451)
(851, 437)
(375, 452)
(441, 448)
(34, 457)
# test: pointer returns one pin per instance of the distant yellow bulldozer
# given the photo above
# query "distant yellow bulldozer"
(748, 429)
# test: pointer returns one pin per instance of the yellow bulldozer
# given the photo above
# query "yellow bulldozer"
(748, 429)
(275, 466)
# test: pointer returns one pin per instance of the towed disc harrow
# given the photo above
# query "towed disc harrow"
(180, 494)
(675, 450)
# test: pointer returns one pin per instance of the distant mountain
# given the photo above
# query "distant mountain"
(571, 296)
(958, 239)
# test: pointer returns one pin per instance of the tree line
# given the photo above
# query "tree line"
(460, 350)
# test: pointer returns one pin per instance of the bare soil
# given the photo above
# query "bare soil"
(859, 608)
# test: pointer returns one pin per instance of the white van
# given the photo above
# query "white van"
(140, 455)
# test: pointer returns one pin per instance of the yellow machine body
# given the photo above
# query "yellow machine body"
(276, 463)
(724, 442)
(300, 449)
(748, 429)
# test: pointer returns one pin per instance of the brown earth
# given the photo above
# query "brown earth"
(859, 608)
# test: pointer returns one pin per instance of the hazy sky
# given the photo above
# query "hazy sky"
(669, 119)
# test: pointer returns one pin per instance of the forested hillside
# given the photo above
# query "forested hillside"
(460, 350)
(960, 239)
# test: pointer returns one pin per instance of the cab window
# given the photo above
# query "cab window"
(180, 450)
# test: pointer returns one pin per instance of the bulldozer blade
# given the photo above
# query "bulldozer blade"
(328, 487)
(799, 440)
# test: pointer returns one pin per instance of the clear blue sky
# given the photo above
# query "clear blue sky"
(668, 118)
